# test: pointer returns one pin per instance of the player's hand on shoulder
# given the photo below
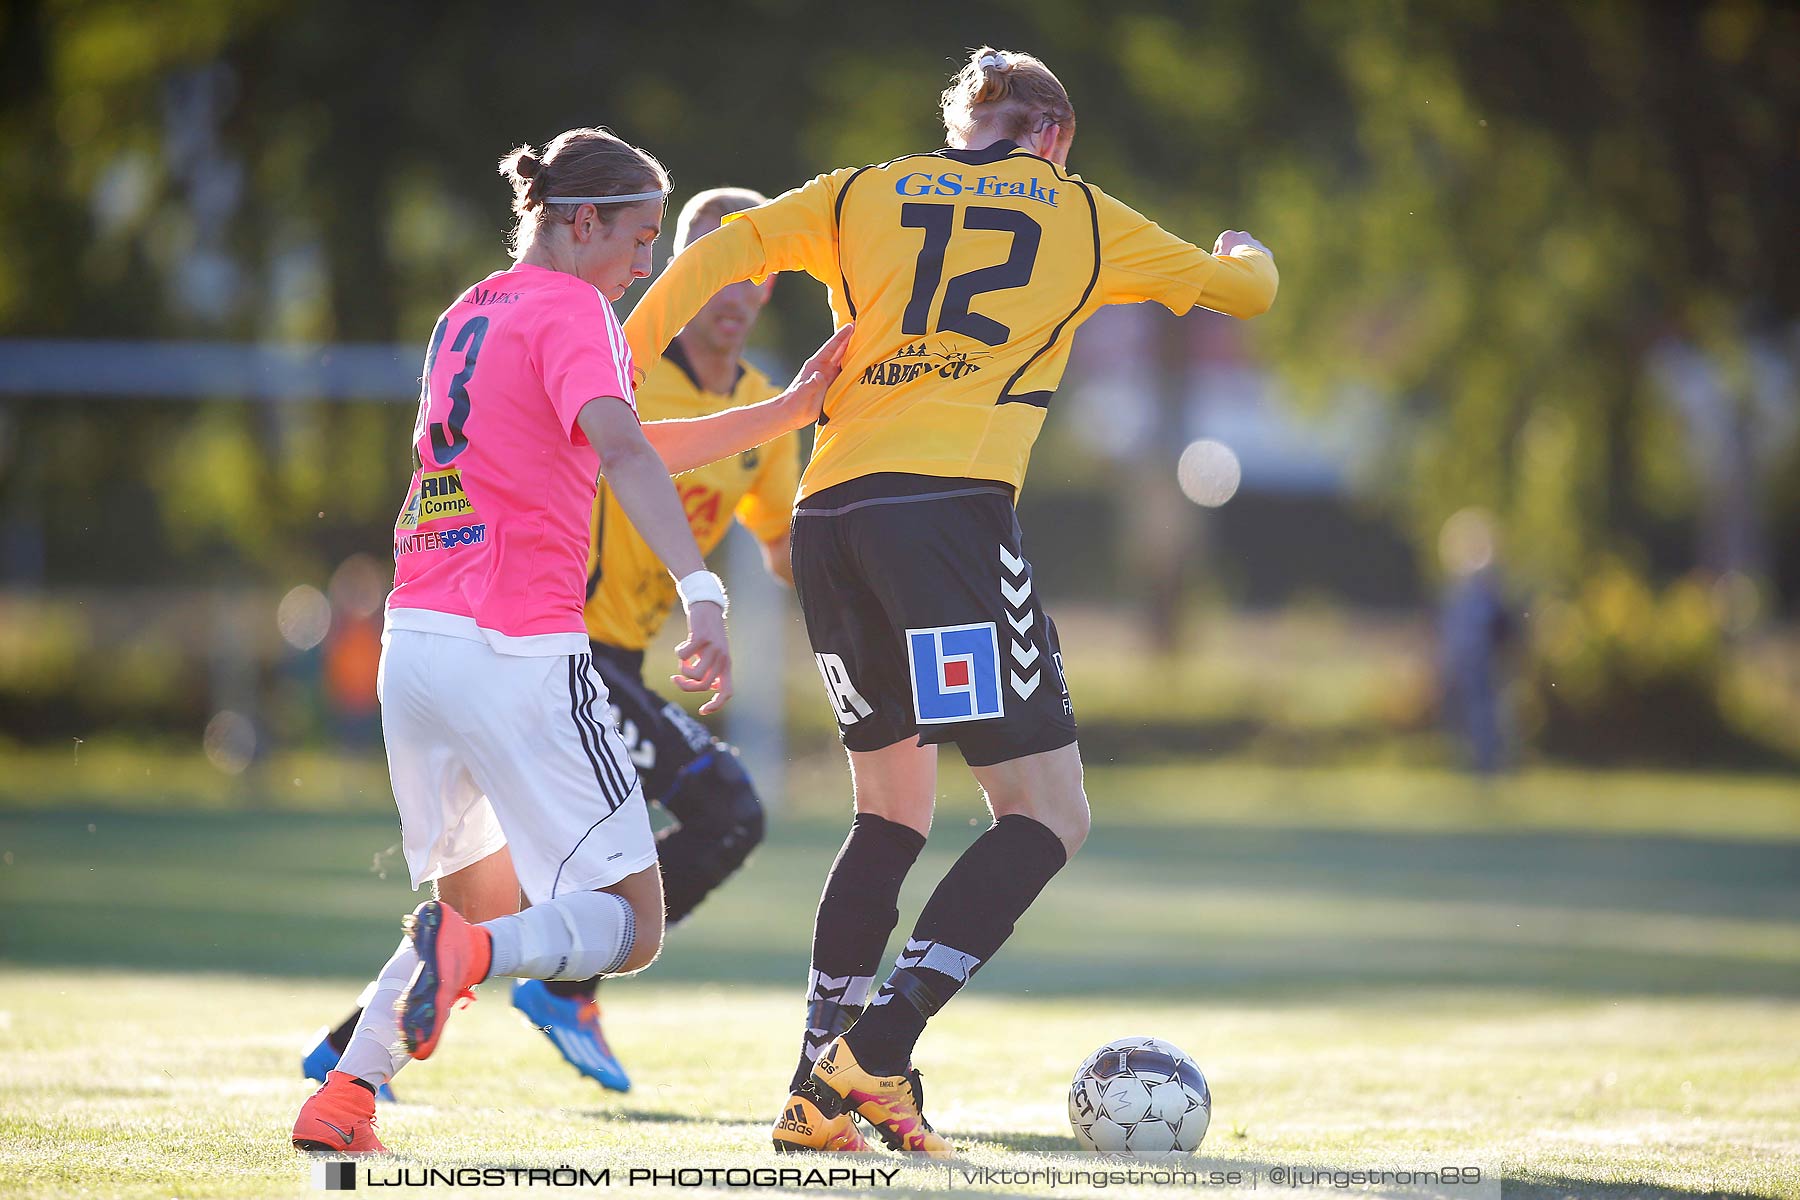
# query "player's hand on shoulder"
(1231, 239)
(806, 395)
(706, 656)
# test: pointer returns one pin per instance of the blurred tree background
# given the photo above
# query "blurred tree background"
(1550, 249)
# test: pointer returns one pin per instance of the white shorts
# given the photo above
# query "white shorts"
(489, 750)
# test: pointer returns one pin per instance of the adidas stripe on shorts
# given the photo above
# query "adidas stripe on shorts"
(489, 750)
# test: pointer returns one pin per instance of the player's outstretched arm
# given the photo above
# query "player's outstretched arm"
(639, 479)
(696, 441)
(723, 257)
(1245, 280)
(1140, 260)
(793, 232)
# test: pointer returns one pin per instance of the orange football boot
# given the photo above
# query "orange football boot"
(814, 1119)
(892, 1104)
(454, 956)
(339, 1118)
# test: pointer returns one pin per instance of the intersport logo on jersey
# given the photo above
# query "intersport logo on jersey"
(954, 183)
(440, 539)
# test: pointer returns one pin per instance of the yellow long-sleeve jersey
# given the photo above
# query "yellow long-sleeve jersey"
(629, 592)
(967, 273)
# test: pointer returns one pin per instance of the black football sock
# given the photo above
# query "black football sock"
(574, 989)
(857, 912)
(963, 925)
(339, 1038)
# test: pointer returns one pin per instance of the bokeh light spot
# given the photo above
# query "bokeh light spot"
(304, 617)
(1466, 543)
(1209, 473)
(230, 742)
(360, 584)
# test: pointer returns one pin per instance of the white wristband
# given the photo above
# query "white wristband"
(700, 587)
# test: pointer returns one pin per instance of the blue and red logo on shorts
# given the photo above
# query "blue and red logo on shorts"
(955, 673)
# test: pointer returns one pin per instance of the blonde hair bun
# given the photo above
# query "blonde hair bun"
(1010, 87)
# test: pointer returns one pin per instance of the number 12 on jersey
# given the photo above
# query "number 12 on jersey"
(937, 220)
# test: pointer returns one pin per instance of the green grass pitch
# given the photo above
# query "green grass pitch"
(1590, 982)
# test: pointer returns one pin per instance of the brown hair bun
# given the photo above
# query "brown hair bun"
(578, 162)
(1008, 91)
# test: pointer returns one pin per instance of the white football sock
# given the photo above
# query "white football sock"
(372, 1055)
(572, 937)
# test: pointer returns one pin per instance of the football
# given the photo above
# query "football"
(1139, 1097)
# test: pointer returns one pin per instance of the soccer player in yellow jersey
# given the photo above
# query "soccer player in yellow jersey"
(696, 778)
(967, 271)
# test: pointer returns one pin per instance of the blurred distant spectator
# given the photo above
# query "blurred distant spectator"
(1740, 418)
(1475, 631)
(353, 649)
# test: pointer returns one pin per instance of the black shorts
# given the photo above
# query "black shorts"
(662, 738)
(921, 613)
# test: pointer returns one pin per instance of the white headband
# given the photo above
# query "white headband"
(656, 195)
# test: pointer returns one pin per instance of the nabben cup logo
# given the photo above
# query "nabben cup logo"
(917, 360)
(338, 1176)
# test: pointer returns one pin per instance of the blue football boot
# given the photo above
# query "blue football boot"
(323, 1058)
(574, 1026)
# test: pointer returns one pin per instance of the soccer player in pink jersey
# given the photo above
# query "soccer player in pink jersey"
(507, 773)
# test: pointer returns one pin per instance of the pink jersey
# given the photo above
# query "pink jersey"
(492, 542)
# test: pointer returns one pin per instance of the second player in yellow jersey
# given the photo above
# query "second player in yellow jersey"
(630, 593)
